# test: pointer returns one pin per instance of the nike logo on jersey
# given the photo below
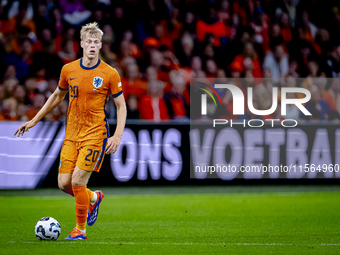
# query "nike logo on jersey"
(71, 79)
(86, 165)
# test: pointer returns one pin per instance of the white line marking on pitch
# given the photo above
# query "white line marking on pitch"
(130, 243)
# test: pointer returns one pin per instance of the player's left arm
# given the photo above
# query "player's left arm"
(114, 141)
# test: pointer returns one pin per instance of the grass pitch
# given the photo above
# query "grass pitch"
(181, 220)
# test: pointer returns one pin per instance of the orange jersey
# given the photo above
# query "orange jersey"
(89, 89)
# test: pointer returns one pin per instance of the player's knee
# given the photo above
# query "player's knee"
(80, 177)
(64, 186)
(76, 181)
(64, 182)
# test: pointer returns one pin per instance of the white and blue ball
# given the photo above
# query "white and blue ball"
(47, 228)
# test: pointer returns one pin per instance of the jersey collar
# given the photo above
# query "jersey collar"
(89, 68)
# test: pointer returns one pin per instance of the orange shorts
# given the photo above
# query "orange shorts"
(87, 155)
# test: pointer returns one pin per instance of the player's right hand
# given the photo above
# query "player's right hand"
(24, 128)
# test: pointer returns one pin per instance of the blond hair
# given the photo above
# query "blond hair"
(91, 29)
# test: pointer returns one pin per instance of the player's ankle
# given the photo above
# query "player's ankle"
(83, 232)
(94, 199)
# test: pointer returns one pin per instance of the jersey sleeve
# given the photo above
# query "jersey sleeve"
(115, 84)
(63, 84)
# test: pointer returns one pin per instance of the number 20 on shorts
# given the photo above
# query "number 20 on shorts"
(94, 155)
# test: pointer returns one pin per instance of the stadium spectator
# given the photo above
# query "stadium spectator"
(162, 39)
(306, 53)
(211, 68)
(57, 21)
(196, 66)
(107, 30)
(260, 25)
(224, 12)
(67, 53)
(133, 83)
(285, 28)
(151, 73)
(185, 50)
(119, 22)
(333, 62)
(68, 35)
(293, 68)
(313, 69)
(38, 103)
(189, 24)
(156, 61)
(170, 61)
(106, 53)
(309, 28)
(41, 18)
(221, 76)
(125, 55)
(321, 83)
(44, 41)
(52, 84)
(172, 27)
(20, 17)
(20, 95)
(10, 72)
(135, 51)
(177, 100)
(248, 60)
(332, 95)
(213, 26)
(9, 87)
(318, 107)
(8, 109)
(132, 107)
(21, 112)
(275, 38)
(31, 87)
(277, 62)
(263, 92)
(289, 7)
(23, 60)
(152, 106)
(41, 81)
(323, 40)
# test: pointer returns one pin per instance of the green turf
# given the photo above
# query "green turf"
(275, 220)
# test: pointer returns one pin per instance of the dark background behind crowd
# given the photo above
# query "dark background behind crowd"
(158, 46)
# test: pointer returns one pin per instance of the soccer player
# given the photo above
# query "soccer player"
(89, 82)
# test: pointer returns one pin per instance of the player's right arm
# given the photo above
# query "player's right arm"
(53, 101)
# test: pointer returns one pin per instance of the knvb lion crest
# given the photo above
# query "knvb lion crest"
(97, 82)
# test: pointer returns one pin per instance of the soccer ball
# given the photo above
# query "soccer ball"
(47, 228)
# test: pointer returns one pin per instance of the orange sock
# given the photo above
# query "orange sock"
(81, 205)
(90, 194)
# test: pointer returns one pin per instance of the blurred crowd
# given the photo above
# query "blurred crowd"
(159, 46)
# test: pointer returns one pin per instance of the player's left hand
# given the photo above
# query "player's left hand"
(112, 145)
